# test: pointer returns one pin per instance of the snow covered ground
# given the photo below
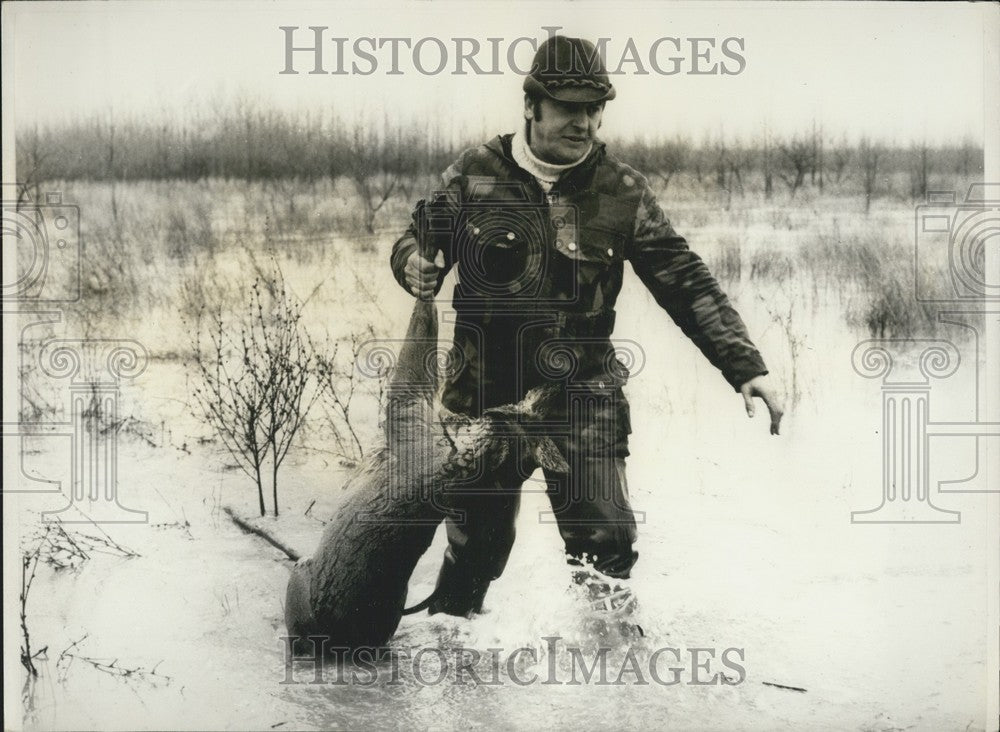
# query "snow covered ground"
(747, 543)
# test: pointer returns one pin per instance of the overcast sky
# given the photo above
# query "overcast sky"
(897, 71)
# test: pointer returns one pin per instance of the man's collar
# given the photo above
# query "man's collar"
(501, 145)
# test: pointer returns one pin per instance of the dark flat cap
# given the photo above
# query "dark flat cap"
(569, 70)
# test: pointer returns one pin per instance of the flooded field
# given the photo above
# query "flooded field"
(763, 605)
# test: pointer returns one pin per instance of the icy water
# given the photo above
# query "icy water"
(746, 545)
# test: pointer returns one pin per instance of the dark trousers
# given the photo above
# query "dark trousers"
(590, 504)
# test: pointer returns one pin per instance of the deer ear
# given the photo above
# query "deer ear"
(548, 456)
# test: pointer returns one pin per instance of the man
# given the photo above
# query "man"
(539, 224)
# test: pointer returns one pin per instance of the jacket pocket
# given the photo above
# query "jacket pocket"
(590, 243)
(498, 257)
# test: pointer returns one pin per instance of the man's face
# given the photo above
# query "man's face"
(565, 130)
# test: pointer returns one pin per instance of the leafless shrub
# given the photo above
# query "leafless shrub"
(254, 378)
(138, 429)
(188, 230)
(771, 264)
(782, 310)
(114, 273)
(338, 384)
(39, 399)
(890, 310)
(844, 259)
(205, 288)
(109, 666)
(875, 277)
(62, 549)
(29, 567)
(727, 262)
(95, 418)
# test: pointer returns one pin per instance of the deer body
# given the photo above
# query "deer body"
(353, 589)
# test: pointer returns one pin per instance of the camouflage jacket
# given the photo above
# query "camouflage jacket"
(539, 274)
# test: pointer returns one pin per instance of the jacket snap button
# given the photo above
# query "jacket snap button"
(510, 235)
(571, 246)
(475, 230)
(611, 252)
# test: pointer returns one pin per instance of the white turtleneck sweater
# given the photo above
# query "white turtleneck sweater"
(545, 173)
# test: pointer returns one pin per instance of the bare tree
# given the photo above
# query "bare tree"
(842, 155)
(249, 138)
(30, 159)
(740, 162)
(106, 132)
(700, 158)
(816, 168)
(969, 158)
(796, 161)
(730, 163)
(767, 164)
(919, 170)
(377, 162)
(720, 161)
(666, 158)
(869, 154)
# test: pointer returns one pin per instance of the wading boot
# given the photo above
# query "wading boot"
(613, 603)
(460, 589)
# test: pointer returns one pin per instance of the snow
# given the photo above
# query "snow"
(747, 543)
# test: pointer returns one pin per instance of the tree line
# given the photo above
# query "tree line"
(382, 156)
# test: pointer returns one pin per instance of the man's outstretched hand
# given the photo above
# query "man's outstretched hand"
(760, 386)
